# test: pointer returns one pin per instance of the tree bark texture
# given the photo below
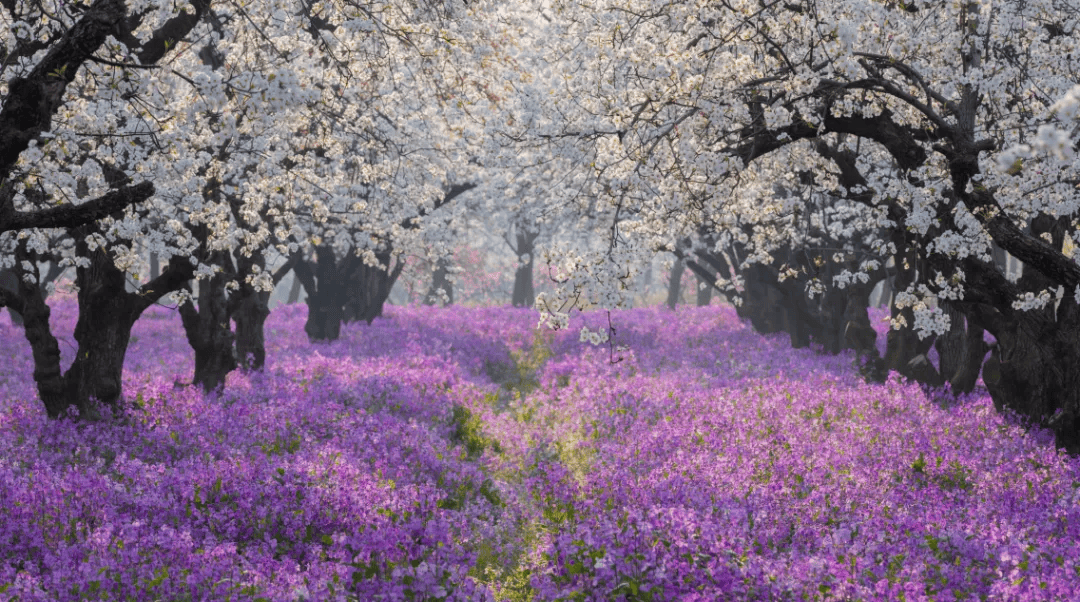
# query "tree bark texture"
(208, 332)
(704, 290)
(524, 293)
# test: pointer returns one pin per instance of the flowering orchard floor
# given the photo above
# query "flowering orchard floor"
(459, 454)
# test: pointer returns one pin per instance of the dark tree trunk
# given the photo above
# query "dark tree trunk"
(831, 323)
(440, 281)
(905, 352)
(294, 291)
(155, 266)
(106, 314)
(348, 290)
(960, 351)
(859, 335)
(250, 309)
(1032, 366)
(325, 295)
(524, 294)
(704, 291)
(773, 306)
(841, 319)
(9, 280)
(674, 289)
(208, 330)
(250, 316)
(1032, 371)
(48, 376)
(371, 287)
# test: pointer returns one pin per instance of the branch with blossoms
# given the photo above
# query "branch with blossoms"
(70, 216)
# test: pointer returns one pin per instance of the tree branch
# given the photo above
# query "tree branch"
(1034, 252)
(71, 216)
(171, 32)
(175, 277)
(280, 273)
(33, 100)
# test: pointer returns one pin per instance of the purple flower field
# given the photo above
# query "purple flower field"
(460, 454)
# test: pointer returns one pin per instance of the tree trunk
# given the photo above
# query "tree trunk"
(208, 331)
(1032, 371)
(831, 325)
(773, 306)
(440, 281)
(294, 291)
(106, 314)
(102, 332)
(704, 292)
(46, 351)
(859, 335)
(343, 291)
(9, 281)
(960, 351)
(325, 295)
(1032, 367)
(372, 286)
(905, 352)
(250, 317)
(250, 309)
(524, 294)
(674, 289)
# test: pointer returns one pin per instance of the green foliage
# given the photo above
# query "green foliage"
(520, 375)
(465, 491)
(468, 430)
(282, 444)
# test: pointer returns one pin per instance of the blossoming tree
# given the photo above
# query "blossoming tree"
(205, 135)
(688, 112)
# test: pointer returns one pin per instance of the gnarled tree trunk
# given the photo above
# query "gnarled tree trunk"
(207, 329)
(960, 351)
(250, 316)
(1032, 371)
(106, 314)
(9, 280)
(250, 308)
